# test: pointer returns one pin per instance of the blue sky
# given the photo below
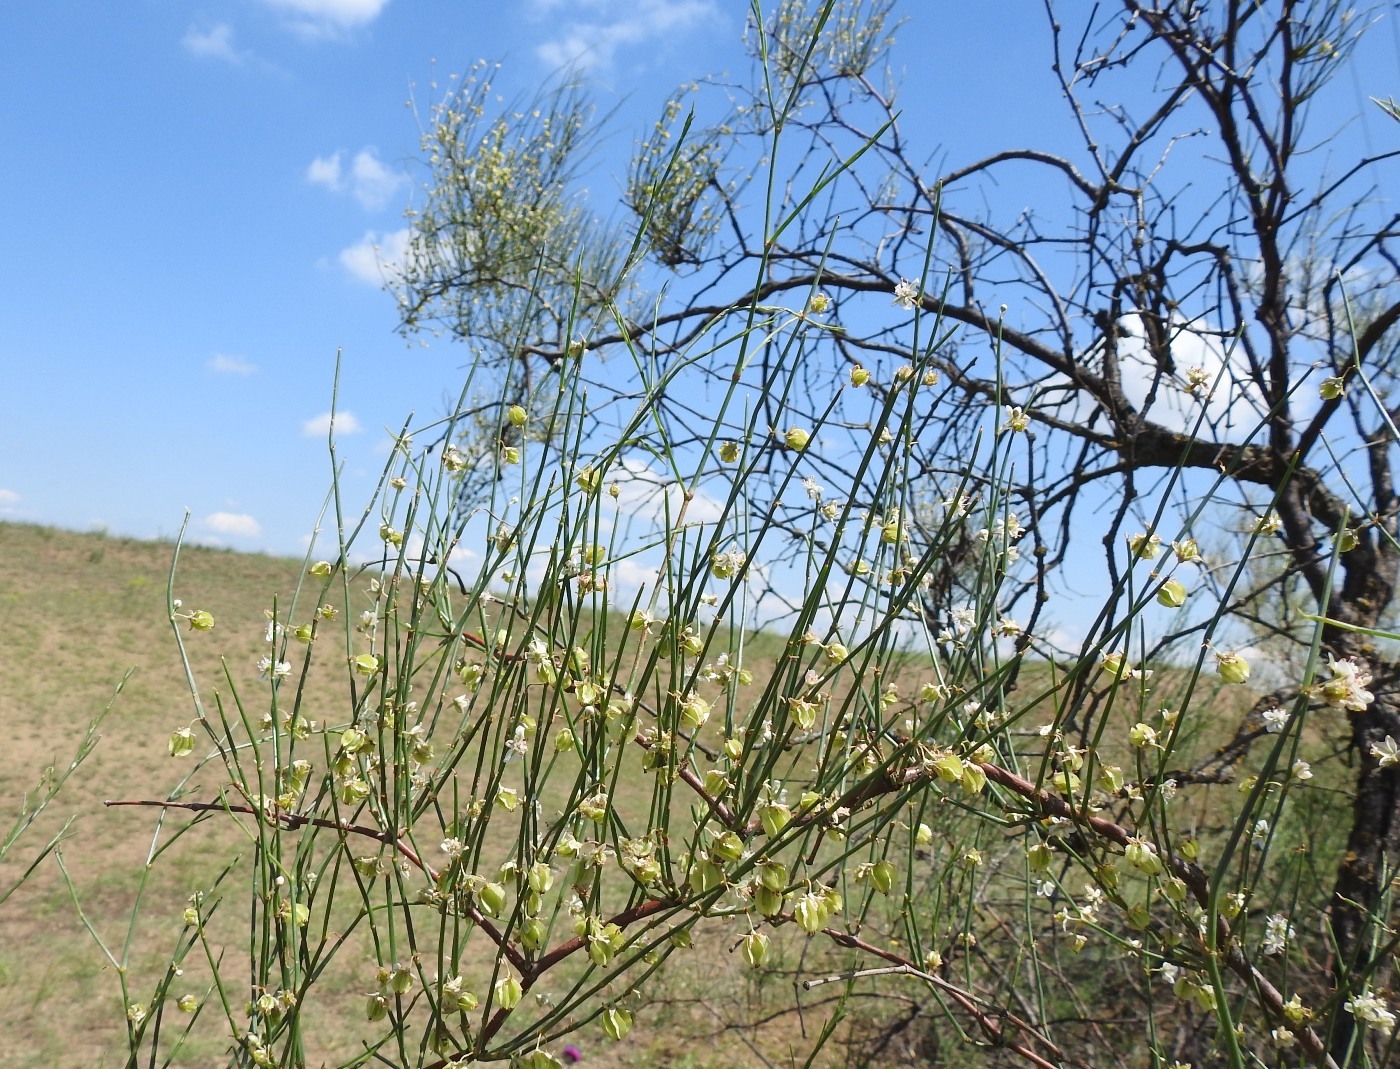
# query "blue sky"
(195, 188)
(194, 191)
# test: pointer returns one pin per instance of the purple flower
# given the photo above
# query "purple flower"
(572, 1055)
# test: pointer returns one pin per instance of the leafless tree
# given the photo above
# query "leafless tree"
(1193, 303)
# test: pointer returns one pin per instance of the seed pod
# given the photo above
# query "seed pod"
(507, 992)
(882, 875)
(774, 817)
(617, 1022)
(754, 947)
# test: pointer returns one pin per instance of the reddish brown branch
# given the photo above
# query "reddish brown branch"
(990, 1023)
(292, 821)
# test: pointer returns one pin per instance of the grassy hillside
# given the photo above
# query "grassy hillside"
(83, 609)
(80, 611)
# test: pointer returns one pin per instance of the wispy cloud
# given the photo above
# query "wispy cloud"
(377, 257)
(320, 426)
(1232, 402)
(367, 178)
(650, 495)
(8, 497)
(214, 43)
(233, 523)
(328, 17)
(595, 43)
(222, 364)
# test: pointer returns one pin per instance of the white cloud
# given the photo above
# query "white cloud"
(213, 43)
(222, 364)
(377, 257)
(760, 604)
(233, 523)
(1234, 407)
(645, 493)
(326, 171)
(8, 497)
(457, 560)
(323, 15)
(595, 44)
(629, 575)
(368, 179)
(320, 426)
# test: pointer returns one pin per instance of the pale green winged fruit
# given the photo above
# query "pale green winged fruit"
(1231, 667)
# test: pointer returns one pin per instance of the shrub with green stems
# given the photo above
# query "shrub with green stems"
(540, 781)
(725, 631)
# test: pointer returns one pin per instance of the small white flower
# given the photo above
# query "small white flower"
(1142, 736)
(1017, 419)
(453, 459)
(274, 670)
(1302, 771)
(1275, 720)
(1145, 546)
(1347, 687)
(1370, 1009)
(1187, 551)
(959, 504)
(1386, 753)
(726, 565)
(1260, 831)
(1277, 932)
(453, 848)
(517, 746)
(906, 294)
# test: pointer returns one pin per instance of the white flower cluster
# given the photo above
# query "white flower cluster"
(1370, 1009)
(1347, 687)
(1277, 932)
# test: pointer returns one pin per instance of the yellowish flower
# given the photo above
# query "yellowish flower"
(1231, 667)
(1172, 594)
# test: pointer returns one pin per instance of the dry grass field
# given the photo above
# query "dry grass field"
(80, 611)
